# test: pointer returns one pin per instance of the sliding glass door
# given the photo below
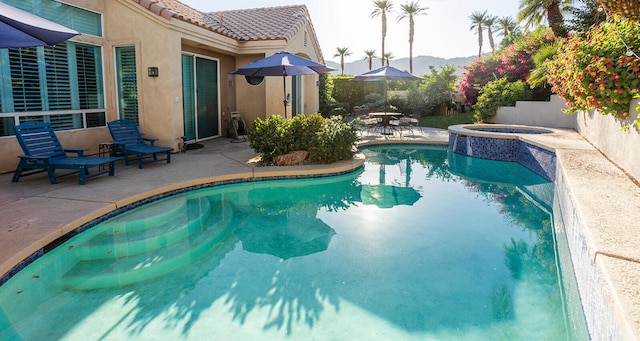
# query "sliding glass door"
(201, 98)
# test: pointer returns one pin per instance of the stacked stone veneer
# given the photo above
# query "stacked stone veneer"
(599, 316)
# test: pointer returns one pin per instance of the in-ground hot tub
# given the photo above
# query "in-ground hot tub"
(505, 143)
(498, 128)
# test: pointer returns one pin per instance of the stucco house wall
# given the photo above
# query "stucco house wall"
(161, 36)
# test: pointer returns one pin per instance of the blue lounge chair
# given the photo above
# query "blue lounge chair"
(44, 153)
(127, 140)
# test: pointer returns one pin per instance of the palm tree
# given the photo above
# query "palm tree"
(507, 25)
(382, 7)
(490, 25)
(627, 9)
(369, 55)
(533, 12)
(387, 57)
(509, 30)
(477, 20)
(342, 52)
(410, 10)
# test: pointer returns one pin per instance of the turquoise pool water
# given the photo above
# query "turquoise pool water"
(419, 245)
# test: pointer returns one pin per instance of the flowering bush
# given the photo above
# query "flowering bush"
(477, 75)
(514, 62)
(599, 70)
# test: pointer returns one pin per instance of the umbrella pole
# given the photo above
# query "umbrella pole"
(386, 83)
(284, 92)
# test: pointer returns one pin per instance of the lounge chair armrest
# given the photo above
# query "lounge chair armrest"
(119, 145)
(27, 157)
(150, 140)
(78, 151)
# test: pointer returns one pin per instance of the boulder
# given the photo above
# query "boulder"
(291, 158)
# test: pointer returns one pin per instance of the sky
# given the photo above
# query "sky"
(443, 32)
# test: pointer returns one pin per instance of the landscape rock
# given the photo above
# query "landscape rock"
(291, 158)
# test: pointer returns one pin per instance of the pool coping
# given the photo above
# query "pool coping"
(604, 250)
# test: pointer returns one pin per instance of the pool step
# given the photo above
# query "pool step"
(117, 240)
(145, 218)
(144, 259)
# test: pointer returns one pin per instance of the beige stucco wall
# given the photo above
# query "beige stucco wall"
(160, 103)
(159, 98)
(250, 101)
(542, 114)
(607, 134)
(266, 99)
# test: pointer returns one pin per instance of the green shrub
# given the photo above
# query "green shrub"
(271, 137)
(334, 141)
(352, 93)
(500, 93)
(303, 130)
(377, 102)
(326, 139)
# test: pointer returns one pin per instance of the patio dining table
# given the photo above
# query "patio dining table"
(386, 117)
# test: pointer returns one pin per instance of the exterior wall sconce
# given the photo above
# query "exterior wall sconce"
(153, 71)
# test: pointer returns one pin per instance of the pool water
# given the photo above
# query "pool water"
(421, 244)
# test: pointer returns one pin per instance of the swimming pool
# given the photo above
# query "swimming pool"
(420, 244)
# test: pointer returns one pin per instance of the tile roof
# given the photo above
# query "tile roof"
(263, 23)
(271, 23)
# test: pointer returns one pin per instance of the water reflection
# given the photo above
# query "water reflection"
(285, 235)
(386, 196)
(280, 266)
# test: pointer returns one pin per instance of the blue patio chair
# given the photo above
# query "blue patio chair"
(127, 140)
(44, 153)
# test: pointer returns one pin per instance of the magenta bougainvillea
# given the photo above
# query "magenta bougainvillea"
(478, 74)
(513, 62)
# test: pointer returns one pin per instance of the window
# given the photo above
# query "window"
(254, 80)
(81, 20)
(60, 84)
(127, 83)
(25, 81)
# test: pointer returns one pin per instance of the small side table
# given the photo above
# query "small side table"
(105, 149)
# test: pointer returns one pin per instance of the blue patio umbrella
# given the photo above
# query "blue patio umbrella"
(386, 73)
(283, 64)
(22, 29)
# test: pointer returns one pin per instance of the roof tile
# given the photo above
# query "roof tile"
(271, 23)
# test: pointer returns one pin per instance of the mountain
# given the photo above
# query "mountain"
(420, 65)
